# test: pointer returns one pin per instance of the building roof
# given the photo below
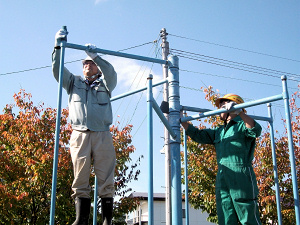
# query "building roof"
(144, 196)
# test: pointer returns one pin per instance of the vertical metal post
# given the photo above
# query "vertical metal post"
(174, 115)
(95, 210)
(150, 150)
(165, 53)
(57, 130)
(274, 165)
(187, 220)
(140, 215)
(291, 148)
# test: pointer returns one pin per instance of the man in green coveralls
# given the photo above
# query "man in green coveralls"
(236, 186)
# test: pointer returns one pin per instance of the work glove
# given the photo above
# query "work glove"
(229, 105)
(59, 36)
(91, 54)
(182, 114)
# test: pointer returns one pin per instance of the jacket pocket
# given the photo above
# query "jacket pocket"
(79, 92)
(102, 97)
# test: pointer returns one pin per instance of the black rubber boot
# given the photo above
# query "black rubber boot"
(83, 206)
(107, 210)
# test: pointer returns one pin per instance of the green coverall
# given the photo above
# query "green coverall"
(236, 187)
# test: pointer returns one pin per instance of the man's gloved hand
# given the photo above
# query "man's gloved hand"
(229, 105)
(59, 36)
(181, 113)
(91, 54)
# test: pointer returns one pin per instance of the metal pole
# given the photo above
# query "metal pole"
(274, 164)
(291, 148)
(57, 130)
(165, 53)
(195, 109)
(187, 219)
(95, 210)
(120, 54)
(140, 215)
(136, 91)
(150, 151)
(239, 106)
(174, 116)
(163, 119)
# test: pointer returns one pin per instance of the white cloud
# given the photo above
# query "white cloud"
(133, 75)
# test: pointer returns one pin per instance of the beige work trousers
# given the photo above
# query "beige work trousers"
(88, 146)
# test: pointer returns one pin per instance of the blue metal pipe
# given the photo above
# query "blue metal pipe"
(57, 131)
(174, 110)
(120, 54)
(174, 115)
(195, 109)
(163, 119)
(136, 91)
(150, 151)
(95, 210)
(274, 165)
(291, 148)
(239, 106)
(187, 219)
(269, 119)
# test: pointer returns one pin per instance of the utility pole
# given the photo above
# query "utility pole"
(165, 53)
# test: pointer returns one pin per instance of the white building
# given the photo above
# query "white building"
(140, 215)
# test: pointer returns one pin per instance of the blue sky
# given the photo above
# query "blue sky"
(264, 34)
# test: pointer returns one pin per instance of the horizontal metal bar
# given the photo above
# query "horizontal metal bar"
(195, 109)
(269, 119)
(163, 119)
(121, 54)
(136, 91)
(239, 106)
(259, 101)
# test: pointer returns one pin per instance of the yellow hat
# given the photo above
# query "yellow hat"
(231, 97)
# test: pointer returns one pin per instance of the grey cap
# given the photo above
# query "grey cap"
(88, 58)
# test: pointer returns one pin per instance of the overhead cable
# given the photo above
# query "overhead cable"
(156, 53)
(131, 98)
(37, 68)
(226, 77)
(77, 60)
(150, 42)
(230, 66)
(225, 46)
(238, 63)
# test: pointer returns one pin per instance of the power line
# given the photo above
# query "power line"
(150, 42)
(131, 98)
(156, 53)
(225, 46)
(77, 60)
(226, 77)
(230, 66)
(238, 63)
(146, 115)
(37, 68)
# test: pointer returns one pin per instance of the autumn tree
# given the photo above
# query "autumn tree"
(26, 162)
(26, 146)
(202, 168)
